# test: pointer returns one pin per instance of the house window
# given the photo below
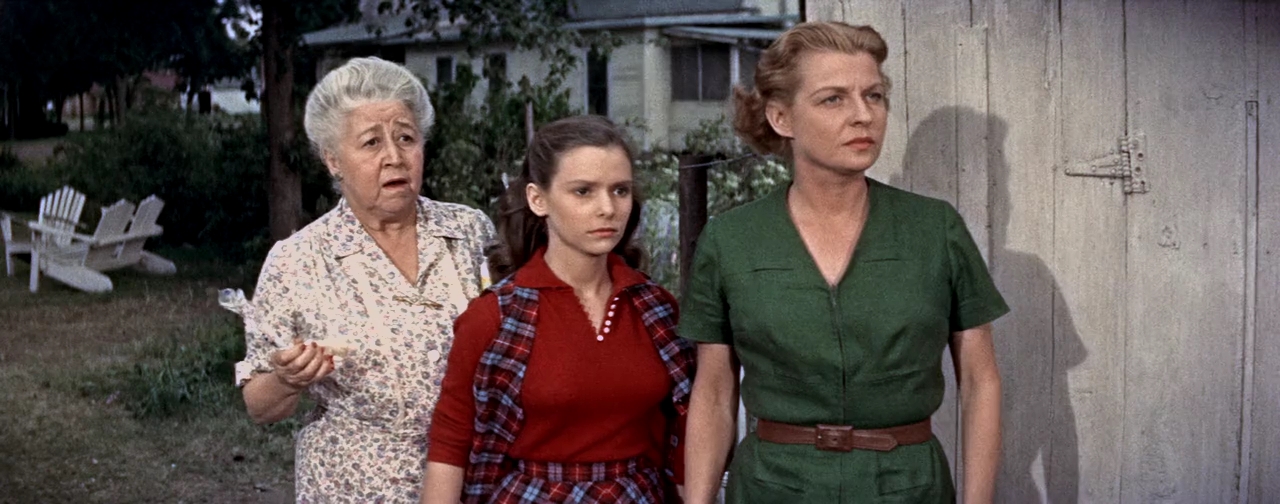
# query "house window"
(700, 72)
(444, 70)
(392, 53)
(597, 83)
(495, 69)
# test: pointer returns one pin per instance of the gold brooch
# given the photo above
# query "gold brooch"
(416, 300)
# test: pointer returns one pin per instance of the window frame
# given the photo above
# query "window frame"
(601, 58)
(489, 73)
(702, 94)
(452, 65)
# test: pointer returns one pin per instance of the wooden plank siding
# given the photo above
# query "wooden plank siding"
(1023, 66)
(627, 85)
(930, 164)
(1186, 253)
(973, 179)
(1089, 261)
(1263, 457)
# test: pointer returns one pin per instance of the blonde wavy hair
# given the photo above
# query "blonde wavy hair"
(777, 76)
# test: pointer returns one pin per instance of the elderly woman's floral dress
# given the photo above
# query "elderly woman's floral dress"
(366, 439)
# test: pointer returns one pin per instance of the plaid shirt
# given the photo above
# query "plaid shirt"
(598, 483)
(500, 375)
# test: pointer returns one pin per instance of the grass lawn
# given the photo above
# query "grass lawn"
(34, 152)
(72, 367)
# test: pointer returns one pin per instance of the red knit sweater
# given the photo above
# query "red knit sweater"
(584, 400)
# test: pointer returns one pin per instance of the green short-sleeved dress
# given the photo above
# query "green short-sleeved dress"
(866, 353)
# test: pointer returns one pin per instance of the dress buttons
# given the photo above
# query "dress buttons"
(608, 320)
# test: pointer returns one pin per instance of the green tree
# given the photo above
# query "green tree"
(55, 49)
(36, 52)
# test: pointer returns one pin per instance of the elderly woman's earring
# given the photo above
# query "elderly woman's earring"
(337, 176)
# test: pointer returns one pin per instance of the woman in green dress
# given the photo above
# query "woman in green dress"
(837, 296)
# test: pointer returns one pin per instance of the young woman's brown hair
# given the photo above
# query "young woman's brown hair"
(521, 231)
(777, 76)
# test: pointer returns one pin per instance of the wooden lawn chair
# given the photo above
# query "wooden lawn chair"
(14, 244)
(144, 226)
(116, 243)
(59, 214)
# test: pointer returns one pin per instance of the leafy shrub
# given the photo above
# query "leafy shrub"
(657, 179)
(472, 146)
(211, 171)
(8, 159)
(21, 185)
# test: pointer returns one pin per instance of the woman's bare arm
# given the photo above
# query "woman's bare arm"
(710, 432)
(974, 355)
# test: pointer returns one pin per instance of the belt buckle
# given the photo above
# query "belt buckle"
(844, 438)
(833, 437)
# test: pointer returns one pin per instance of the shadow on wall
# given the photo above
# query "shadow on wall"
(1041, 459)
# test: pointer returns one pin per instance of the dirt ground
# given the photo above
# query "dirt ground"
(62, 441)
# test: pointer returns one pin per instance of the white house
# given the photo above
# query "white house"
(675, 67)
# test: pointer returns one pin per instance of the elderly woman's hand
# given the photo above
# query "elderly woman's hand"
(301, 365)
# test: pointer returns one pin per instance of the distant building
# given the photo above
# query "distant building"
(676, 65)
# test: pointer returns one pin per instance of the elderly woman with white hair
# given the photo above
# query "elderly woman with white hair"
(356, 309)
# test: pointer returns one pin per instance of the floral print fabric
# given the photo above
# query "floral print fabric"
(366, 439)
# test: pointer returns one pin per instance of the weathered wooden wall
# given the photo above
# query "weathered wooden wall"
(1261, 477)
(1089, 319)
(1186, 275)
(1141, 361)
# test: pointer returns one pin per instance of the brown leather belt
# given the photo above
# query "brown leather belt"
(844, 437)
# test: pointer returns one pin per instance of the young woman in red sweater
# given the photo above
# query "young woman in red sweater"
(566, 381)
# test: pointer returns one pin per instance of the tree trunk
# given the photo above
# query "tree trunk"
(100, 103)
(121, 105)
(284, 186)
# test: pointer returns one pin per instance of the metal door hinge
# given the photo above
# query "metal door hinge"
(1127, 163)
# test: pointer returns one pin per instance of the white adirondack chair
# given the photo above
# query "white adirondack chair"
(14, 244)
(144, 226)
(60, 213)
(83, 260)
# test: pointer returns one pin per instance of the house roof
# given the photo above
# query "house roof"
(712, 27)
(689, 19)
(393, 31)
(722, 35)
(615, 9)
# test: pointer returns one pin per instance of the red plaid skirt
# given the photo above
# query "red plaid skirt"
(630, 481)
